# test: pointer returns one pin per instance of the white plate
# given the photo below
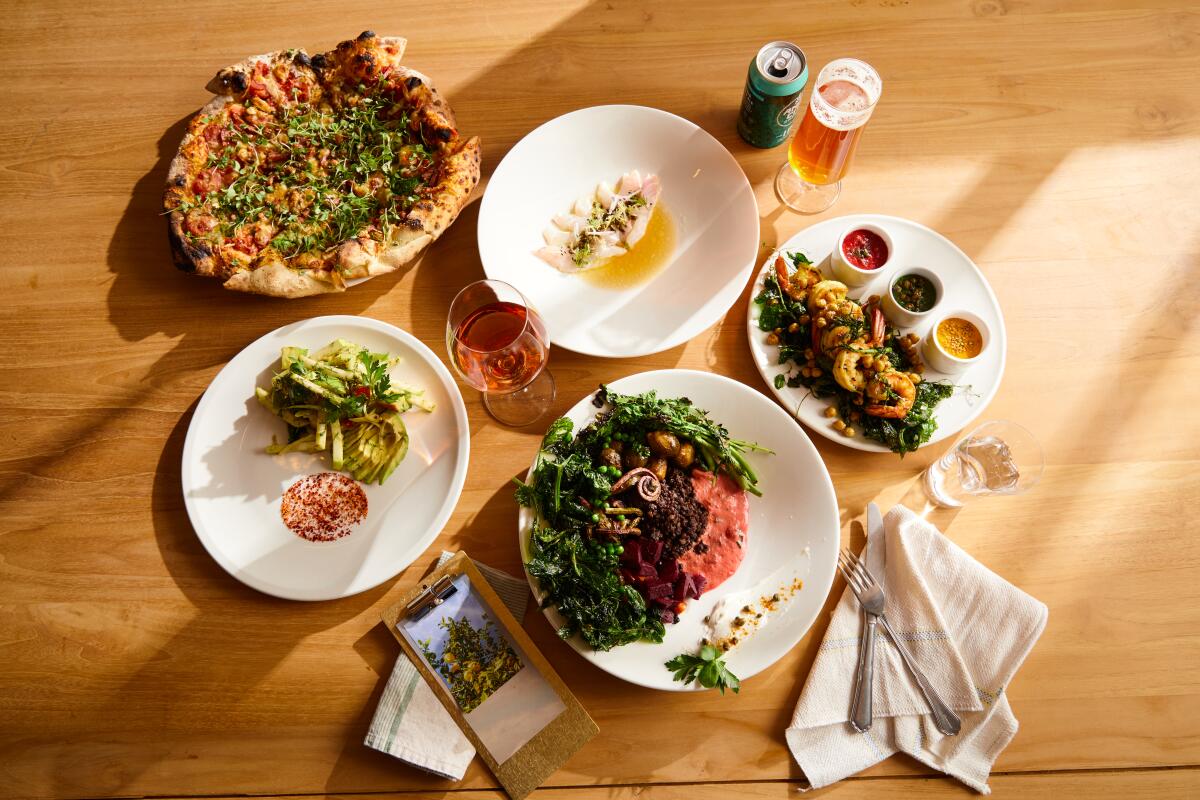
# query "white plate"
(794, 532)
(232, 489)
(704, 191)
(965, 289)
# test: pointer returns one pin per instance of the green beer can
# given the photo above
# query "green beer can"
(772, 96)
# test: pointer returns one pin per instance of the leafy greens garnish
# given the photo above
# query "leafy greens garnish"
(708, 667)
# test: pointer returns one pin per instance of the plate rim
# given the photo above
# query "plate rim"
(525, 514)
(866, 446)
(444, 512)
(747, 271)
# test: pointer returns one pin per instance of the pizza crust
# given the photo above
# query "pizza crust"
(279, 280)
(357, 259)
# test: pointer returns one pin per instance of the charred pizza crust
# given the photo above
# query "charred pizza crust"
(246, 253)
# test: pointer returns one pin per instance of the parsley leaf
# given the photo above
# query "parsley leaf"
(707, 667)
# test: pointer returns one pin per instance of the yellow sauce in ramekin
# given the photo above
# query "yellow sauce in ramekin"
(959, 338)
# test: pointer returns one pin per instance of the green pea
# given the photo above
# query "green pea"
(620, 517)
(595, 517)
(620, 549)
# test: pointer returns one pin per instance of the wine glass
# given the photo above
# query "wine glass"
(839, 106)
(498, 344)
(998, 457)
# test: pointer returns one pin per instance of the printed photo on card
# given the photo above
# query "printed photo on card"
(504, 699)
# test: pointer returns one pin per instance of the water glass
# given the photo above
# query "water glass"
(998, 457)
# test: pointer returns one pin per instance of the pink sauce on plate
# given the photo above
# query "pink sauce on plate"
(725, 535)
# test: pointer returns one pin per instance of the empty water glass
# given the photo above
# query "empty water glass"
(998, 457)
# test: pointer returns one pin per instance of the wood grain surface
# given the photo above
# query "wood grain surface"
(1057, 142)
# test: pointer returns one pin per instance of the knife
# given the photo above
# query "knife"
(875, 560)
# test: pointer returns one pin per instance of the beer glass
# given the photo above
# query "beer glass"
(841, 102)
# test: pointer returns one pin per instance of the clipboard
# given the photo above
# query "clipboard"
(483, 667)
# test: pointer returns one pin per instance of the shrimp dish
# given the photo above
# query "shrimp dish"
(847, 351)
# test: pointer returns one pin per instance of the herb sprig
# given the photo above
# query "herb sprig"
(708, 667)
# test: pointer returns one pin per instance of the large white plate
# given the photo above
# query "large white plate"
(704, 191)
(965, 289)
(232, 489)
(794, 532)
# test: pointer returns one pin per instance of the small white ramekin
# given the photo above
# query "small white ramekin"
(901, 315)
(942, 361)
(851, 275)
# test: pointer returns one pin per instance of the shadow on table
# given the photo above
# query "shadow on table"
(234, 639)
(487, 537)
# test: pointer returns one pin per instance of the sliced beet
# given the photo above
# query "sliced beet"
(651, 551)
(684, 587)
(647, 571)
(658, 589)
(700, 582)
(669, 571)
(667, 616)
(633, 552)
(668, 601)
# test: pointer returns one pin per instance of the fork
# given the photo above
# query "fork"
(873, 601)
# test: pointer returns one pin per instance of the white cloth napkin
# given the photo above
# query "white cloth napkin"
(411, 724)
(968, 629)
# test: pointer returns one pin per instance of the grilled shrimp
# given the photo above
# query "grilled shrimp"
(829, 291)
(795, 285)
(833, 339)
(890, 394)
(847, 370)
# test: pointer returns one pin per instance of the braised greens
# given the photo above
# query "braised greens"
(574, 570)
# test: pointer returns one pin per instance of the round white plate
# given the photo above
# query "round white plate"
(232, 488)
(704, 191)
(965, 289)
(794, 532)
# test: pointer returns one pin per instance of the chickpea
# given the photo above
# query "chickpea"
(795, 326)
(804, 372)
(772, 338)
(360, 189)
(805, 319)
(777, 331)
(808, 353)
(838, 425)
(821, 322)
(831, 411)
(849, 432)
(868, 361)
(914, 377)
(882, 364)
(815, 372)
(821, 303)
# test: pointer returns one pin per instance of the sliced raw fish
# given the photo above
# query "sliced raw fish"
(602, 226)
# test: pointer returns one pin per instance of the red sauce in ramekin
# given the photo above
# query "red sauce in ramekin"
(865, 249)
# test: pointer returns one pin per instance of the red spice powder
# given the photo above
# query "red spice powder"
(323, 507)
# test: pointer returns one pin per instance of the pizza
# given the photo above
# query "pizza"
(305, 173)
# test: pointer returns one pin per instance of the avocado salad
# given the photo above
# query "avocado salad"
(341, 399)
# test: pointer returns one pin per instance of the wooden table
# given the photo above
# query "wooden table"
(1057, 143)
